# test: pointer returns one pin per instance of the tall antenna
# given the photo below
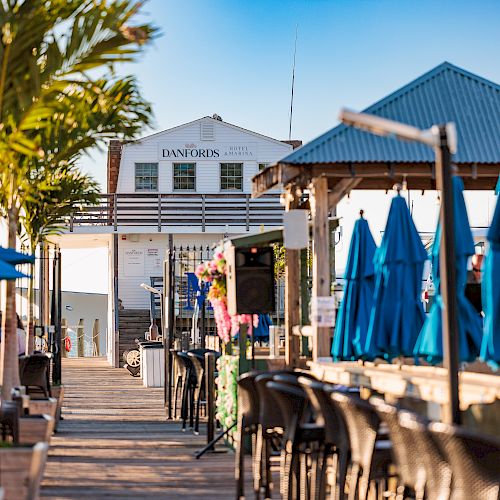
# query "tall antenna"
(293, 82)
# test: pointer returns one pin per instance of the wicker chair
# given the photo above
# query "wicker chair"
(270, 429)
(301, 437)
(248, 421)
(34, 372)
(411, 469)
(474, 461)
(188, 386)
(370, 456)
(336, 442)
(437, 469)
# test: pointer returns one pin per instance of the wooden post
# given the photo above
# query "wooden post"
(80, 339)
(292, 296)
(321, 262)
(95, 338)
(64, 332)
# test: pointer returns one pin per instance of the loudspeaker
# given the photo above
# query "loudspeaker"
(250, 280)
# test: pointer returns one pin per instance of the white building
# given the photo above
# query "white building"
(190, 184)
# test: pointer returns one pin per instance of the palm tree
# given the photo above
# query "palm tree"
(55, 59)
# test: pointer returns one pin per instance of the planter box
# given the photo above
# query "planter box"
(21, 471)
(35, 428)
(44, 407)
(58, 393)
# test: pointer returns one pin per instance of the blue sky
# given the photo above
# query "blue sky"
(234, 58)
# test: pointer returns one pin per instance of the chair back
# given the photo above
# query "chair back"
(34, 372)
(362, 426)
(198, 367)
(327, 414)
(248, 398)
(474, 461)
(411, 468)
(437, 469)
(270, 414)
(186, 361)
(292, 402)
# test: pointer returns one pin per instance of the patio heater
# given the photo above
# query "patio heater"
(443, 138)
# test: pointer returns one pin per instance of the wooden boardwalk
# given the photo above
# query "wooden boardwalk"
(115, 442)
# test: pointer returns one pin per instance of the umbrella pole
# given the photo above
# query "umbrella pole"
(447, 270)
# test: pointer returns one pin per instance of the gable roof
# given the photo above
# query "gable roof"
(220, 122)
(446, 93)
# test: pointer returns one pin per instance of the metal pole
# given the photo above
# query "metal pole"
(203, 327)
(56, 320)
(168, 335)
(447, 271)
(209, 391)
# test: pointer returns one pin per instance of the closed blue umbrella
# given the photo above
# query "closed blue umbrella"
(397, 315)
(354, 314)
(430, 341)
(14, 258)
(490, 348)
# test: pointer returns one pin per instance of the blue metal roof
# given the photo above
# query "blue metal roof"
(446, 93)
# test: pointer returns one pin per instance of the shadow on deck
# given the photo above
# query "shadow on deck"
(115, 442)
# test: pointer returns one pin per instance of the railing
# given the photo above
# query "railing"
(203, 210)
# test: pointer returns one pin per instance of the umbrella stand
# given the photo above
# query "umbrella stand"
(448, 275)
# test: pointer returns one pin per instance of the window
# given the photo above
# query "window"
(231, 176)
(262, 166)
(146, 176)
(185, 176)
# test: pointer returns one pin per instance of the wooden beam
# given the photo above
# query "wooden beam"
(321, 261)
(292, 293)
(341, 189)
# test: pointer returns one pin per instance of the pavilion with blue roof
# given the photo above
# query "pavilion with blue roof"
(447, 93)
(346, 158)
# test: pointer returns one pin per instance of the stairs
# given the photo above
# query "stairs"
(132, 325)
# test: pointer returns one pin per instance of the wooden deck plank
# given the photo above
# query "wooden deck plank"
(115, 442)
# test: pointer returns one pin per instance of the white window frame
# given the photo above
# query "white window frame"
(182, 189)
(231, 189)
(151, 177)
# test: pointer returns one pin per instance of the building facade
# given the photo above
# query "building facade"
(189, 186)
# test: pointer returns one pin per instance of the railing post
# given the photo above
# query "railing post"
(203, 201)
(248, 211)
(159, 213)
(115, 212)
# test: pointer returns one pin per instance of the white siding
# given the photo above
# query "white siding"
(207, 171)
(129, 289)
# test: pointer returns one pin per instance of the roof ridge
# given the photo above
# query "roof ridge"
(422, 79)
(402, 91)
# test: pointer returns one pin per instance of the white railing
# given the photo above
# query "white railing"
(203, 210)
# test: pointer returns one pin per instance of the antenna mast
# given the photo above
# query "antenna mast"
(293, 83)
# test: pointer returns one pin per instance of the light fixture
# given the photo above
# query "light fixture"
(151, 289)
(389, 128)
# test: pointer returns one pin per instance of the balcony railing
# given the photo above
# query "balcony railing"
(201, 210)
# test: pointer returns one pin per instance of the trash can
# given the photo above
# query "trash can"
(152, 364)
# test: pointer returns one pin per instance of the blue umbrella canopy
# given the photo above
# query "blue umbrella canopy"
(490, 348)
(7, 272)
(14, 258)
(354, 314)
(430, 341)
(397, 315)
